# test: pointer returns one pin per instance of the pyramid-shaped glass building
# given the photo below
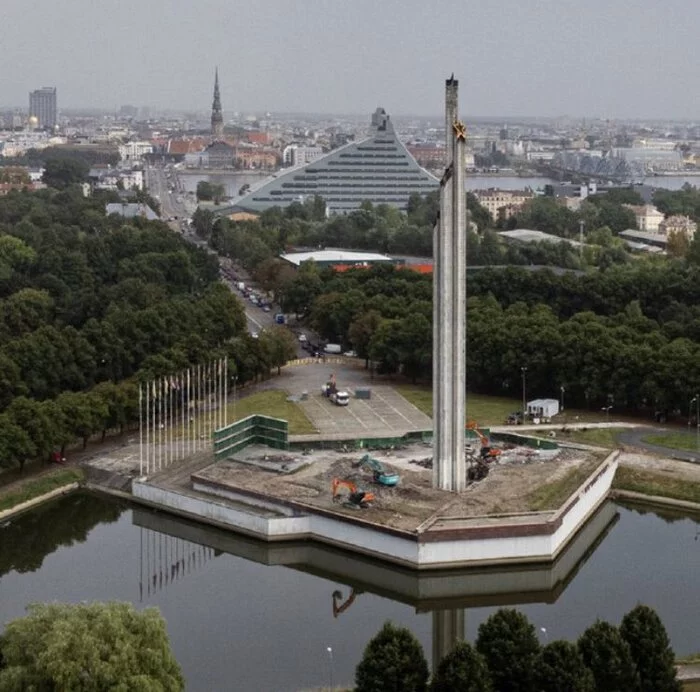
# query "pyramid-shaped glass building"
(379, 169)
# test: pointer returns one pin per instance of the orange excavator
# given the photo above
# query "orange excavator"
(487, 451)
(355, 498)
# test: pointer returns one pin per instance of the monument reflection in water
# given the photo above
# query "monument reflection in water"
(172, 547)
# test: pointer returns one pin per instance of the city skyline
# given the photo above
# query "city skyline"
(330, 58)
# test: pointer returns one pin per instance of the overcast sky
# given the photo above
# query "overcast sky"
(604, 58)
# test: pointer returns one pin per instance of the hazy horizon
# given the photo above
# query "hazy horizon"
(513, 59)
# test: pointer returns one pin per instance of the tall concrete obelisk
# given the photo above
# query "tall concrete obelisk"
(449, 308)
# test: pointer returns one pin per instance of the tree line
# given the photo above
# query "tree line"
(627, 337)
(508, 657)
(90, 306)
(383, 228)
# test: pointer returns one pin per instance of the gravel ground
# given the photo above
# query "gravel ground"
(413, 501)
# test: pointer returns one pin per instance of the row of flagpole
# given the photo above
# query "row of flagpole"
(178, 414)
(165, 559)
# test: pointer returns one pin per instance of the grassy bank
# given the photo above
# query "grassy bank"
(602, 437)
(272, 403)
(490, 410)
(649, 483)
(486, 410)
(39, 486)
(676, 440)
(552, 495)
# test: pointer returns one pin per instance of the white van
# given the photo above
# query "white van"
(332, 348)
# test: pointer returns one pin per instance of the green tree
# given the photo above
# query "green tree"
(60, 172)
(393, 661)
(279, 345)
(462, 670)
(479, 214)
(87, 647)
(209, 192)
(508, 642)
(85, 413)
(651, 650)
(678, 244)
(15, 444)
(609, 658)
(559, 667)
(362, 330)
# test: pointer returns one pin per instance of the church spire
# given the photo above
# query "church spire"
(217, 119)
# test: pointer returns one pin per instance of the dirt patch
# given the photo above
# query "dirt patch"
(506, 489)
(672, 468)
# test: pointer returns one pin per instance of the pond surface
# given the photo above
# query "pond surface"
(237, 623)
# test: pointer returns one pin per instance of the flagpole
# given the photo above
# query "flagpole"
(148, 413)
(160, 425)
(197, 418)
(225, 391)
(140, 431)
(171, 450)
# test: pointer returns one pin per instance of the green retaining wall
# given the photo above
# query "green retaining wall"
(420, 436)
(366, 442)
(523, 440)
(257, 429)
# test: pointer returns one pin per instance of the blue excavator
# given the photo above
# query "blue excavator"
(379, 473)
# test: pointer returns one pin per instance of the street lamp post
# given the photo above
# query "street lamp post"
(690, 411)
(329, 649)
(235, 379)
(523, 370)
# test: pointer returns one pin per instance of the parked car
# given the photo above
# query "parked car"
(350, 354)
(302, 338)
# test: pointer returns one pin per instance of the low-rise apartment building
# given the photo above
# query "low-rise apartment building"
(503, 203)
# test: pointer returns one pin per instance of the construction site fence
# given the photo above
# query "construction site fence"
(325, 360)
(256, 429)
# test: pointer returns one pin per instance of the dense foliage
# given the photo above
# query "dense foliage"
(383, 228)
(88, 305)
(462, 670)
(609, 657)
(629, 336)
(393, 661)
(509, 644)
(86, 647)
(651, 650)
(508, 656)
(559, 667)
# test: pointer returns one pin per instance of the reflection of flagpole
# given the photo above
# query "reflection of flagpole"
(141, 564)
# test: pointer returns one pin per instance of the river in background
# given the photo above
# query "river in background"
(238, 624)
(234, 181)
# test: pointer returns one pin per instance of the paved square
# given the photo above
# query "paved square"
(386, 412)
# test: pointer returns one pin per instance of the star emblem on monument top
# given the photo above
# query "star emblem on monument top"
(459, 130)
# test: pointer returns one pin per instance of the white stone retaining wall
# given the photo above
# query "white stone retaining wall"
(445, 548)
